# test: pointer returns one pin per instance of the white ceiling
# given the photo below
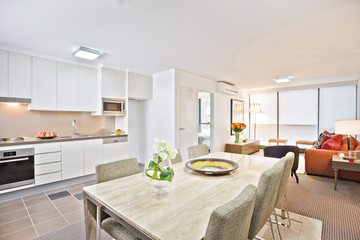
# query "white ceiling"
(244, 42)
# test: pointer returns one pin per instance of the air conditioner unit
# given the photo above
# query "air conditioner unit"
(227, 88)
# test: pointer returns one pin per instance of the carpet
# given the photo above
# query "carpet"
(75, 231)
(339, 210)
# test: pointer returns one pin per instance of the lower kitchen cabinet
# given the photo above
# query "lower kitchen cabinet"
(114, 151)
(93, 155)
(72, 159)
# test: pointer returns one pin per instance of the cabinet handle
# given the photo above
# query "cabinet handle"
(182, 129)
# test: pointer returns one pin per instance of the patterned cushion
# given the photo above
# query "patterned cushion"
(322, 138)
(333, 143)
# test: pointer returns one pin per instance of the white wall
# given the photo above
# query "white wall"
(221, 111)
(159, 112)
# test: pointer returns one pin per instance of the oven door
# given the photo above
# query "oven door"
(16, 172)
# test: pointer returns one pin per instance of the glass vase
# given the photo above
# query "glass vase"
(237, 137)
(158, 174)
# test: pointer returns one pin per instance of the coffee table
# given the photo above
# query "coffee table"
(338, 163)
(248, 147)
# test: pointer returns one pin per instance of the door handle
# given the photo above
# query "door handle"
(182, 129)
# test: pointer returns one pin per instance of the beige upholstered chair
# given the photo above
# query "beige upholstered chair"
(106, 172)
(112, 170)
(268, 187)
(232, 220)
(177, 159)
(198, 150)
(288, 161)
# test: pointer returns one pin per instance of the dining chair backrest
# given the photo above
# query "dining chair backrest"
(268, 187)
(281, 151)
(198, 150)
(112, 170)
(177, 158)
(232, 220)
(288, 161)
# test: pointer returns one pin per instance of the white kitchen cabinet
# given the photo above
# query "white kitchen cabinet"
(113, 83)
(87, 89)
(4, 73)
(67, 87)
(114, 151)
(47, 163)
(120, 84)
(19, 75)
(93, 155)
(140, 86)
(44, 84)
(72, 159)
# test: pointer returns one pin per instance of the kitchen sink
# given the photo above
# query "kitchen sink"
(76, 136)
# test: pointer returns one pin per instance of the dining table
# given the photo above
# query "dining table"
(184, 211)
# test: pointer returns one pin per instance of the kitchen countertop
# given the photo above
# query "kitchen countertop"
(64, 139)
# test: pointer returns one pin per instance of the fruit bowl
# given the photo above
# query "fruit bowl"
(118, 131)
(46, 135)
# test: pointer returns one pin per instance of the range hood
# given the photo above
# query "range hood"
(15, 100)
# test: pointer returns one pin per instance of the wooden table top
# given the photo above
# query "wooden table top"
(184, 213)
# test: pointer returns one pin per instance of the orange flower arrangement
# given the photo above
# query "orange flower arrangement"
(238, 127)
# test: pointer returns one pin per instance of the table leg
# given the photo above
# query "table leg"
(86, 212)
(282, 208)
(98, 220)
(336, 172)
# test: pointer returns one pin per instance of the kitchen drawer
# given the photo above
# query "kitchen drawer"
(47, 147)
(47, 178)
(47, 168)
(47, 158)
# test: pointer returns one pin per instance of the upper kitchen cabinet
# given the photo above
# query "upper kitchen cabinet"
(44, 84)
(15, 75)
(67, 87)
(140, 86)
(113, 83)
(4, 73)
(87, 89)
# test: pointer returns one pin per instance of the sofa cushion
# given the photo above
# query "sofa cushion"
(353, 143)
(333, 143)
(323, 137)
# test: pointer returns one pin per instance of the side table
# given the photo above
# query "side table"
(338, 163)
(248, 147)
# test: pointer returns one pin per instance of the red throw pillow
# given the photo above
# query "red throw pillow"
(353, 143)
(328, 133)
(333, 143)
(323, 137)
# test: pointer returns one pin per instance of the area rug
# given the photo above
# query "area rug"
(339, 210)
(75, 231)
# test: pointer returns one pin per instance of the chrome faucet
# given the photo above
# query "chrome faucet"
(75, 131)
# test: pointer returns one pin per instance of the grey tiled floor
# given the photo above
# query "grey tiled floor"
(28, 217)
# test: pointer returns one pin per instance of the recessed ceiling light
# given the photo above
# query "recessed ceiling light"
(87, 53)
(284, 79)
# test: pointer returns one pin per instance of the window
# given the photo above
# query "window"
(336, 103)
(266, 120)
(298, 113)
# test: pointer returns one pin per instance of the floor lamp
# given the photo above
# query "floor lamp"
(347, 127)
(255, 108)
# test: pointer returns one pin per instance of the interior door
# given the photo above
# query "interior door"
(187, 120)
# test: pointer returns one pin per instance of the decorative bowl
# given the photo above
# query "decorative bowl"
(211, 166)
(118, 131)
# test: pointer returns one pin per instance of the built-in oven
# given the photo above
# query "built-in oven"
(16, 168)
(113, 107)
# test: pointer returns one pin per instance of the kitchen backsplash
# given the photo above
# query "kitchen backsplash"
(19, 121)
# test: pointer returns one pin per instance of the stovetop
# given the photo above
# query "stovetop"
(14, 139)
